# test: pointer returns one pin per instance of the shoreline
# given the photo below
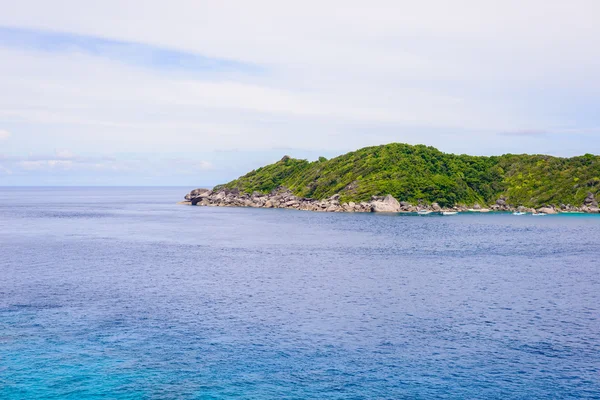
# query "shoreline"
(283, 198)
(408, 213)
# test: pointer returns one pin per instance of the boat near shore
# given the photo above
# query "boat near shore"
(449, 212)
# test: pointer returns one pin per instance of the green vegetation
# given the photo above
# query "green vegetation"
(413, 173)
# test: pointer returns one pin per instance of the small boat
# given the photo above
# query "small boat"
(519, 213)
(449, 212)
(538, 214)
(423, 212)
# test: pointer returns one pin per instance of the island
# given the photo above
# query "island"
(400, 177)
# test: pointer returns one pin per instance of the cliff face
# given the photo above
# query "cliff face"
(424, 175)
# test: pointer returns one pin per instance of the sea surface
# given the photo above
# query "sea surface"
(119, 293)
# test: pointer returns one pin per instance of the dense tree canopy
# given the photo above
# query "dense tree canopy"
(422, 173)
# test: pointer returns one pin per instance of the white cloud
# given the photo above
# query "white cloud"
(45, 165)
(4, 170)
(63, 162)
(64, 154)
(336, 75)
(383, 35)
(95, 104)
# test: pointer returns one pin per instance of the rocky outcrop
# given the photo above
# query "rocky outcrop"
(197, 193)
(284, 198)
(388, 204)
(501, 205)
(590, 200)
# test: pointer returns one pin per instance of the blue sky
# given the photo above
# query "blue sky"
(196, 93)
(137, 54)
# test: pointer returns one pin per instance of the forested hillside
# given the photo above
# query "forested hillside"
(422, 173)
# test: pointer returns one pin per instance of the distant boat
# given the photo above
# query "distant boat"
(519, 213)
(449, 212)
(423, 212)
(538, 214)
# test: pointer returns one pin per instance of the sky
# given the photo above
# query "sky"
(195, 93)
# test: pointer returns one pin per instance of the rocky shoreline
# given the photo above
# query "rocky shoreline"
(284, 198)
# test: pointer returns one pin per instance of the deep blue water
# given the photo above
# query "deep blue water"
(122, 294)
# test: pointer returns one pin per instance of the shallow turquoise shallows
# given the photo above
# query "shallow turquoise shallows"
(119, 293)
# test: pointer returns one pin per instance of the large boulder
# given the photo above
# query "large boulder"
(388, 204)
(590, 201)
(197, 193)
(547, 210)
(406, 206)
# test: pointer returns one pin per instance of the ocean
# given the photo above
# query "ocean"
(119, 293)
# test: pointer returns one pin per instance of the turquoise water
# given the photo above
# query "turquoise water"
(121, 294)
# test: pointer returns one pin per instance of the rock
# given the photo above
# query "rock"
(346, 207)
(547, 210)
(590, 200)
(388, 204)
(282, 197)
(197, 193)
(406, 206)
(200, 192)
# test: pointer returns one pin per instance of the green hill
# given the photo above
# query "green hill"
(413, 173)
